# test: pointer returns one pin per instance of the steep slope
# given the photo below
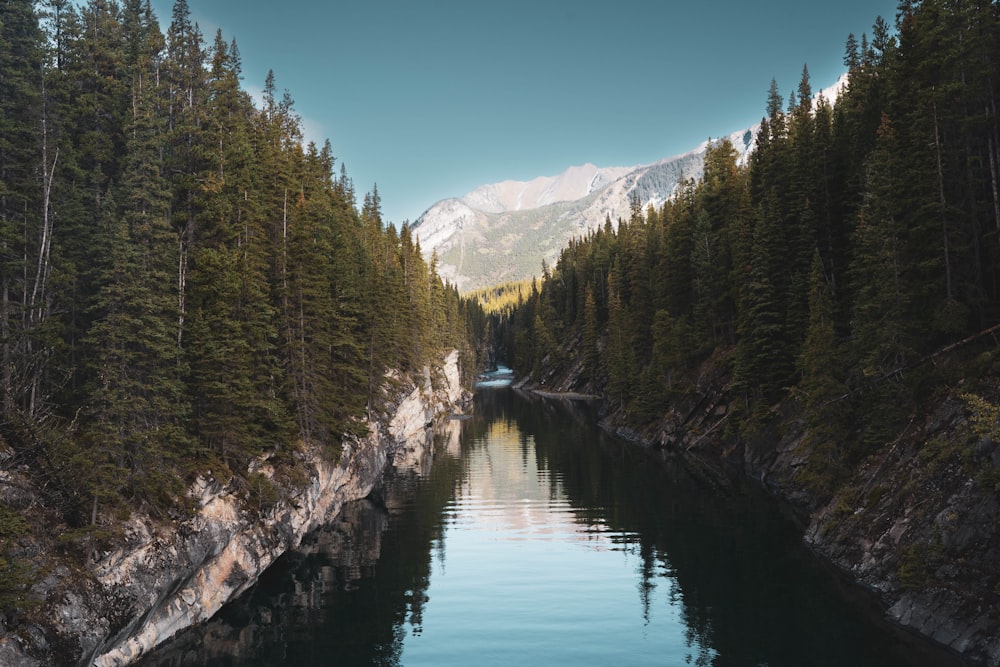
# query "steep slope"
(917, 523)
(129, 596)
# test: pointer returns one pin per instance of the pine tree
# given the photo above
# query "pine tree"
(721, 198)
(799, 207)
(591, 336)
(621, 367)
(675, 348)
(881, 330)
(184, 76)
(679, 249)
(232, 332)
(763, 355)
(20, 215)
(820, 362)
(139, 404)
(327, 356)
(637, 258)
(418, 342)
(822, 387)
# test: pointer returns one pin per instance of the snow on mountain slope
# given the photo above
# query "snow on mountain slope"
(572, 184)
(503, 231)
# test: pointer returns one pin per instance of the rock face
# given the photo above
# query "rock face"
(166, 578)
(920, 523)
(332, 560)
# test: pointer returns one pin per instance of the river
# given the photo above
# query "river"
(529, 537)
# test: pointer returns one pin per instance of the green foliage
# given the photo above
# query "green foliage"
(21, 219)
(15, 574)
(501, 298)
(822, 390)
(914, 569)
(621, 366)
(985, 416)
(262, 493)
(918, 562)
(591, 335)
(985, 426)
(210, 294)
(764, 352)
(857, 242)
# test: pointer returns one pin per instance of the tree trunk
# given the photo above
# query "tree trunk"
(994, 150)
(181, 287)
(949, 292)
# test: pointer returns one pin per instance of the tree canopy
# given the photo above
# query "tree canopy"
(185, 283)
(859, 237)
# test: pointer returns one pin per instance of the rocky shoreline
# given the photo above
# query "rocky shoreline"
(917, 522)
(166, 577)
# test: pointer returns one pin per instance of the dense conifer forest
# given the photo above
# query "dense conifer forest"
(861, 240)
(185, 284)
(188, 286)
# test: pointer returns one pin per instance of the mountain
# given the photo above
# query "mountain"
(504, 231)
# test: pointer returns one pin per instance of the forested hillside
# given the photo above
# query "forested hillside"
(185, 284)
(824, 317)
(860, 238)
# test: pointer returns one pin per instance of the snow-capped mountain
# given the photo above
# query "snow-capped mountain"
(503, 231)
(574, 183)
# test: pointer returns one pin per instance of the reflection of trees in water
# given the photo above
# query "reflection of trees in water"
(614, 487)
(734, 570)
(352, 590)
(746, 587)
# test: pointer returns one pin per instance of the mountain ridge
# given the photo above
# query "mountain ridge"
(504, 231)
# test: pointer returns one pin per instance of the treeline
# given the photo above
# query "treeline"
(861, 236)
(503, 298)
(185, 284)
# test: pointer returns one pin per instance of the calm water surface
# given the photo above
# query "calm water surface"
(533, 539)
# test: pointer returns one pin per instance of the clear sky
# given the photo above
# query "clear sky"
(431, 99)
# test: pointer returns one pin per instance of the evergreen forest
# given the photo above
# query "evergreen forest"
(836, 268)
(186, 285)
(189, 288)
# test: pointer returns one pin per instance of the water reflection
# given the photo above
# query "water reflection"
(535, 539)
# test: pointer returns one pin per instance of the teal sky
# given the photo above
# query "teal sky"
(431, 99)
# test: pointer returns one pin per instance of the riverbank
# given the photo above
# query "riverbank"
(526, 386)
(917, 521)
(168, 575)
(527, 522)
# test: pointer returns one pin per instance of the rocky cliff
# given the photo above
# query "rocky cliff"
(297, 600)
(917, 520)
(167, 576)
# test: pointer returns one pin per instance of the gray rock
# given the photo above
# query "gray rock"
(170, 577)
